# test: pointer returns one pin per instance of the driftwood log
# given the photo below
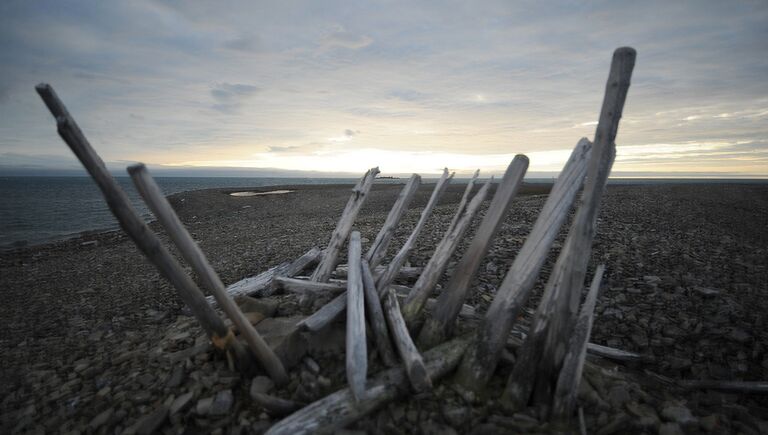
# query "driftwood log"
(378, 248)
(357, 351)
(146, 240)
(443, 252)
(439, 325)
(339, 409)
(392, 270)
(564, 400)
(482, 356)
(153, 196)
(302, 286)
(464, 200)
(406, 273)
(414, 364)
(376, 319)
(541, 356)
(261, 284)
(344, 227)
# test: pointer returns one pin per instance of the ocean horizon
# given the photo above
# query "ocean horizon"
(40, 209)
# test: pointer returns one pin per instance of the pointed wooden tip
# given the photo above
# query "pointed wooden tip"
(136, 168)
(625, 52)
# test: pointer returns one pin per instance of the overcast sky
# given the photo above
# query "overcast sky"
(409, 86)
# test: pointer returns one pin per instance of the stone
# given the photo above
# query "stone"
(431, 428)
(176, 377)
(261, 384)
(264, 306)
(739, 335)
(181, 402)
(671, 429)
(618, 395)
(456, 415)
(203, 406)
(150, 423)
(222, 403)
(141, 397)
(677, 413)
(710, 423)
(312, 365)
(101, 419)
(706, 291)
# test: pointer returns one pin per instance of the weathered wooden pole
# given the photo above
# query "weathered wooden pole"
(191, 252)
(344, 227)
(464, 199)
(375, 316)
(137, 230)
(541, 356)
(414, 364)
(393, 268)
(481, 358)
(567, 386)
(443, 252)
(339, 409)
(357, 353)
(379, 246)
(302, 286)
(439, 325)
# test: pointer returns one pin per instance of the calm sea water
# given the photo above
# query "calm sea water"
(36, 210)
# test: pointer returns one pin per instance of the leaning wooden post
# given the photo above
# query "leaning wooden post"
(438, 327)
(357, 354)
(191, 252)
(393, 268)
(343, 228)
(541, 356)
(464, 200)
(443, 252)
(379, 246)
(567, 385)
(414, 364)
(481, 358)
(139, 232)
(376, 319)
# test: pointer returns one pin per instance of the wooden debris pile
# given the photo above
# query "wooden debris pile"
(550, 358)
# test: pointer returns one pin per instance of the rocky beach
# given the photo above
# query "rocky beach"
(93, 340)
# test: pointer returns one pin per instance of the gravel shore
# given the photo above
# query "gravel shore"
(87, 324)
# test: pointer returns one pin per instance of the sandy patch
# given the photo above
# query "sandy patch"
(271, 192)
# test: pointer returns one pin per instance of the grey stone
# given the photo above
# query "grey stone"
(677, 413)
(671, 429)
(203, 406)
(261, 384)
(222, 403)
(181, 402)
(456, 416)
(176, 377)
(150, 423)
(101, 419)
(618, 395)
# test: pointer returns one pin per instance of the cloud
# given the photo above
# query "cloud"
(230, 97)
(339, 37)
(248, 44)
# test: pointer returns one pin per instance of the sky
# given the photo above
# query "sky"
(409, 86)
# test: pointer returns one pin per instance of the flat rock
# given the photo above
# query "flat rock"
(181, 402)
(150, 423)
(222, 403)
(261, 384)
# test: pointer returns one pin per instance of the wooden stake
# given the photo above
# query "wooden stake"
(137, 230)
(567, 386)
(414, 364)
(438, 327)
(393, 268)
(343, 228)
(325, 315)
(379, 247)
(539, 361)
(481, 358)
(463, 201)
(357, 353)
(443, 252)
(376, 319)
(339, 410)
(191, 252)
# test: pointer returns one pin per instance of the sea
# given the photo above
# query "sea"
(38, 209)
